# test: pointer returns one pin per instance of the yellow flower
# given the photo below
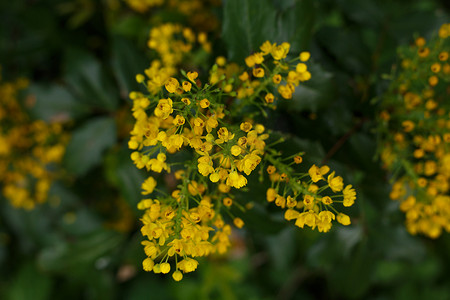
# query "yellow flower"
(204, 103)
(335, 183)
(179, 120)
(187, 86)
(249, 163)
(291, 202)
(186, 101)
(177, 275)
(224, 135)
(205, 165)
(266, 47)
(327, 200)
(271, 169)
(433, 80)
(349, 195)
(408, 125)
(301, 68)
(285, 91)
(235, 150)
(236, 180)
(343, 219)
(211, 123)
(306, 218)
(165, 268)
(246, 126)
(317, 173)
(238, 222)
(420, 42)
(258, 57)
(271, 194)
(214, 177)
(258, 72)
(276, 78)
(269, 98)
(192, 76)
(250, 61)
(221, 61)
(140, 78)
(243, 76)
(423, 52)
(304, 56)
(326, 216)
(281, 51)
(308, 201)
(164, 108)
(280, 201)
(227, 201)
(148, 186)
(443, 56)
(188, 265)
(157, 268)
(158, 164)
(172, 85)
(144, 204)
(148, 264)
(436, 67)
(291, 214)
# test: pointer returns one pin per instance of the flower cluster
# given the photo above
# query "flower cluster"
(309, 202)
(29, 150)
(143, 5)
(269, 72)
(173, 44)
(220, 148)
(414, 129)
(179, 226)
(199, 13)
(173, 41)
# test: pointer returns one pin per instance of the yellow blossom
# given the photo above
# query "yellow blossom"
(148, 186)
(335, 183)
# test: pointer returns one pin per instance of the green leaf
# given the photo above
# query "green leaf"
(314, 94)
(347, 48)
(121, 171)
(131, 26)
(54, 103)
(89, 81)
(126, 62)
(246, 25)
(314, 151)
(282, 257)
(148, 286)
(29, 283)
(295, 23)
(366, 13)
(79, 256)
(88, 143)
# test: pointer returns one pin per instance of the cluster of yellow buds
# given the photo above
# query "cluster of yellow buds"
(283, 70)
(28, 150)
(414, 126)
(268, 69)
(172, 43)
(199, 13)
(143, 5)
(308, 202)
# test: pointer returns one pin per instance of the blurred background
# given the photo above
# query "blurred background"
(73, 63)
